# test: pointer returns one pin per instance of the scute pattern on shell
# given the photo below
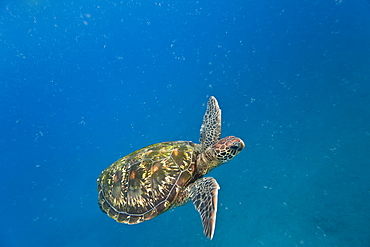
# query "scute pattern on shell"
(147, 182)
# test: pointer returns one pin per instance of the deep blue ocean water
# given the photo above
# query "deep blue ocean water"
(84, 83)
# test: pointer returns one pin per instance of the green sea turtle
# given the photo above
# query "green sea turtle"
(154, 179)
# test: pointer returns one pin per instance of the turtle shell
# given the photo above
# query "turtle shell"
(147, 182)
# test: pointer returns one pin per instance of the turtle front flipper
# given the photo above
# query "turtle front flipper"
(210, 131)
(204, 194)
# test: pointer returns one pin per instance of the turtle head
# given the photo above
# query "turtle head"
(227, 148)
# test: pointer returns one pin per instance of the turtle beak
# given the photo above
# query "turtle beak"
(242, 145)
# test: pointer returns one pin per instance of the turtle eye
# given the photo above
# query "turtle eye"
(236, 146)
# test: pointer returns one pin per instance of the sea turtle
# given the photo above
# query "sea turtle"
(154, 179)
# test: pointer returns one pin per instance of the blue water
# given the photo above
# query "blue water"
(84, 83)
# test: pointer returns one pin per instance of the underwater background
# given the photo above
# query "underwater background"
(84, 83)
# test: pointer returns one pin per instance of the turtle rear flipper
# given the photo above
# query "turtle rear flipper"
(204, 194)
